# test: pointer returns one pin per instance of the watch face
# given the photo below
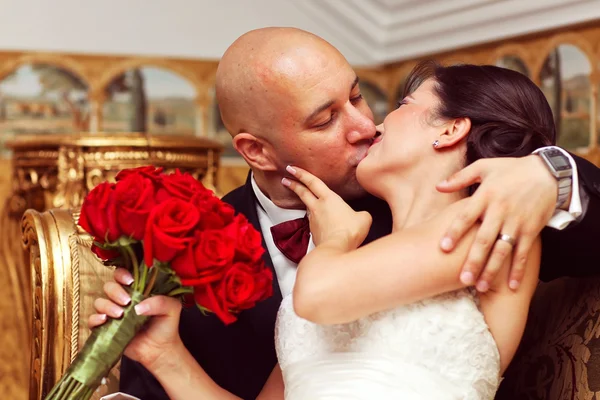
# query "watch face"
(559, 162)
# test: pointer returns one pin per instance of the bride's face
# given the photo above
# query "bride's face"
(407, 134)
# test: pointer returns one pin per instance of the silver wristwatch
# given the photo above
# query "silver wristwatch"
(560, 167)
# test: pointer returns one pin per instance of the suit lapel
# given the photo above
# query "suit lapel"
(264, 314)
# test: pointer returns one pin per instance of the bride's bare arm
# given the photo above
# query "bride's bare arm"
(335, 284)
(506, 310)
(274, 388)
(183, 378)
(339, 282)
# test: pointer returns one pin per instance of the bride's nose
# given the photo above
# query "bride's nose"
(380, 130)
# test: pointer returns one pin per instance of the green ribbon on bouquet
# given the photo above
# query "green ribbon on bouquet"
(101, 352)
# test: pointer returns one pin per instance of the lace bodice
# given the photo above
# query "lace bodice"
(438, 348)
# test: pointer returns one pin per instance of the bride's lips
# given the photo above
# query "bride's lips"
(378, 137)
(376, 140)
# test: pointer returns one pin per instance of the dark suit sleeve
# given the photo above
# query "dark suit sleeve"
(137, 381)
(573, 251)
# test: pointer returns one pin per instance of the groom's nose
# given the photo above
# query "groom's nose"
(361, 135)
(360, 126)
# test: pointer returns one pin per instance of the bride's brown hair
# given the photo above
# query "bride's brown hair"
(510, 116)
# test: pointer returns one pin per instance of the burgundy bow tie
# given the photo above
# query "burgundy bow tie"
(292, 237)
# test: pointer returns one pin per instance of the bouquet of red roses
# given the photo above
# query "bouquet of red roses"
(177, 239)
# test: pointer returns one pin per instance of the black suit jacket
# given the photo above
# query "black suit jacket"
(240, 357)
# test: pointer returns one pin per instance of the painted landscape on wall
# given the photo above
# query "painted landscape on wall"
(150, 99)
(42, 99)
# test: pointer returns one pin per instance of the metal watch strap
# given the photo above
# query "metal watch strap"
(564, 190)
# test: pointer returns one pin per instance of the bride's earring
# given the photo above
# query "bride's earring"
(436, 144)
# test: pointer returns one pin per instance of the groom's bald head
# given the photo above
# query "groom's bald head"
(261, 69)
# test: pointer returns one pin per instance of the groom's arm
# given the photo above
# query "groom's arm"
(573, 250)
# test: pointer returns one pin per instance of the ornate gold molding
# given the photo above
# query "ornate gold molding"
(574, 38)
(30, 226)
(74, 241)
(510, 49)
(69, 63)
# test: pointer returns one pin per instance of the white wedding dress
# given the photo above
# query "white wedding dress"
(440, 348)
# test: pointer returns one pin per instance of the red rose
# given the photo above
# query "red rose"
(98, 214)
(180, 185)
(206, 259)
(244, 285)
(206, 298)
(214, 213)
(147, 171)
(105, 254)
(169, 230)
(249, 240)
(214, 247)
(134, 199)
(240, 289)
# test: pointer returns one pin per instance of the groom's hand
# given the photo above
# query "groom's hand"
(516, 197)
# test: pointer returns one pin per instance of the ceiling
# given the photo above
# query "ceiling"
(368, 32)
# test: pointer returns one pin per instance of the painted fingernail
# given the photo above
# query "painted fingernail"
(286, 182)
(443, 183)
(290, 169)
(141, 309)
(513, 284)
(482, 286)
(446, 243)
(467, 278)
(128, 280)
(117, 312)
(125, 299)
(102, 317)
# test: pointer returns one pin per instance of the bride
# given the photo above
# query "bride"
(369, 323)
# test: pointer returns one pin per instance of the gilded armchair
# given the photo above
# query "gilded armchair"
(66, 279)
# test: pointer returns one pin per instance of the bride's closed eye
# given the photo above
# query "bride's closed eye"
(401, 103)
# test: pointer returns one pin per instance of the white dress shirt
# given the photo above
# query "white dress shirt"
(268, 215)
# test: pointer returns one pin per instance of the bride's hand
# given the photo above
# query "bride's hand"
(331, 220)
(161, 333)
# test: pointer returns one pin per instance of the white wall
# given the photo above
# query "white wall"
(178, 28)
(366, 31)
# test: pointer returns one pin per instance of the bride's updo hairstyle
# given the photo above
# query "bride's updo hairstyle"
(509, 114)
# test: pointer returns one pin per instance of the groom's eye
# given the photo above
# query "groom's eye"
(326, 123)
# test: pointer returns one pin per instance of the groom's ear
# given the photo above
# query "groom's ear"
(456, 131)
(257, 152)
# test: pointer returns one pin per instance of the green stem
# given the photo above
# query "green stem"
(142, 284)
(153, 273)
(135, 266)
(181, 290)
